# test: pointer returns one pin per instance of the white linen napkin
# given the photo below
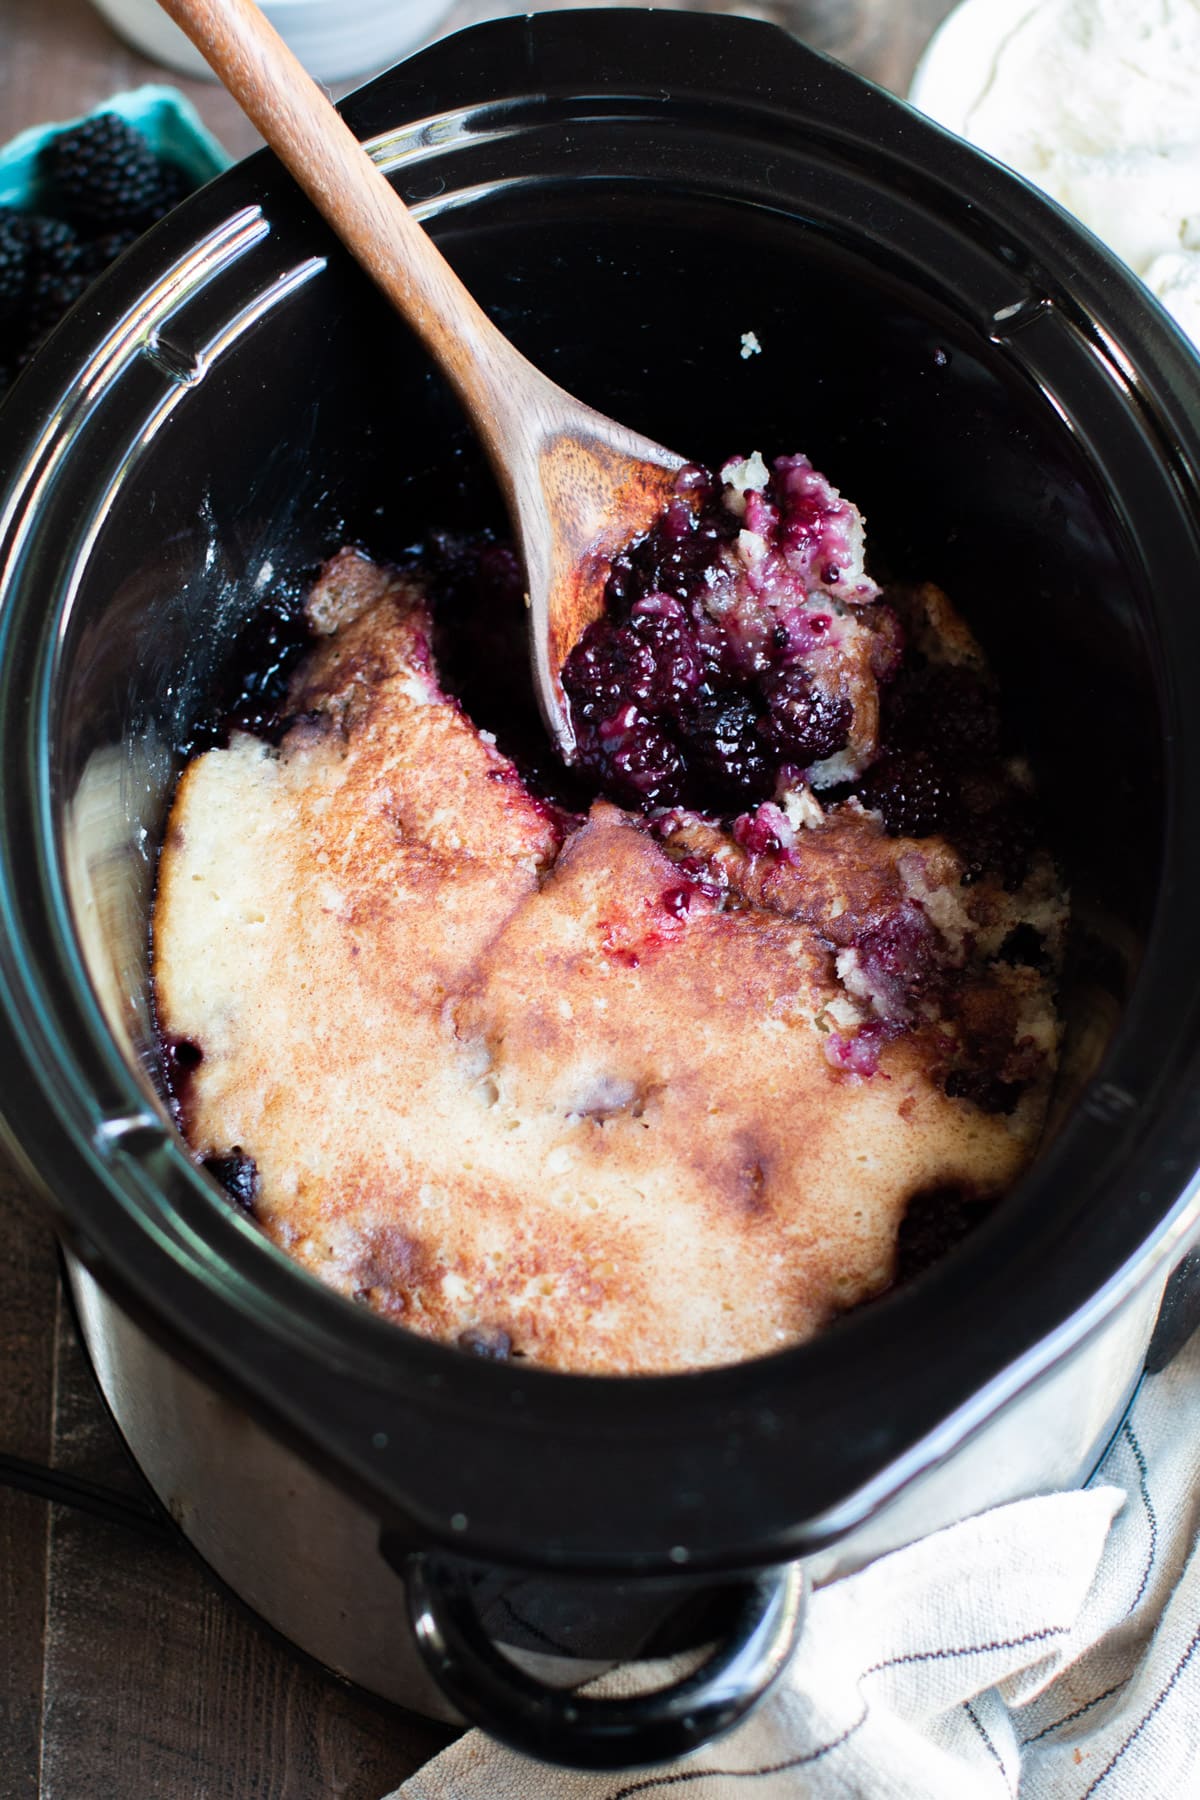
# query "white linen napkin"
(1046, 1650)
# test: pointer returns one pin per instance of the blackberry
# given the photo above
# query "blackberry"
(238, 1175)
(106, 180)
(725, 747)
(610, 666)
(640, 760)
(764, 832)
(42, 259)
(14, 263)
(661, 625)
(104, 173)
(493, 1345)
(51, 245)
(675, 558)
(174, 185)
(1000, 843)
(984, 1090)
(935, 1221)
(912, 794)
(805, 722)
(899, 958)
(96, 254)
(652, 661)
(52, 295)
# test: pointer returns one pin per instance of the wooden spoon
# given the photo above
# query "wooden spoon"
(579, 487)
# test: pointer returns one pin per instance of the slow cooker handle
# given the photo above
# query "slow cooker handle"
(576, 1730)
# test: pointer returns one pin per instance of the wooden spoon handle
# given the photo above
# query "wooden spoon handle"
(310, 137)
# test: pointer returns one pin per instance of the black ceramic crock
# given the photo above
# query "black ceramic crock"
(628, 194)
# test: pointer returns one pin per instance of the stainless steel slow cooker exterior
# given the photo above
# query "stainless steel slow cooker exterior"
(313, 1567)
(230, 403)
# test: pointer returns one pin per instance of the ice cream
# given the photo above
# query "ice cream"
(1098, 102)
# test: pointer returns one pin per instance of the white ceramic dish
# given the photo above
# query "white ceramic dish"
(334, 39)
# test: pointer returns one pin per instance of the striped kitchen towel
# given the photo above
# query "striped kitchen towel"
(1049, 1650)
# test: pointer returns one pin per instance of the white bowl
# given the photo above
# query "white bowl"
(334, 39)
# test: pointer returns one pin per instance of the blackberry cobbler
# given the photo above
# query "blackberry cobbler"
(656, 1079)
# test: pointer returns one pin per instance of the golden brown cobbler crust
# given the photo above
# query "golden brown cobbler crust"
(493, 1083)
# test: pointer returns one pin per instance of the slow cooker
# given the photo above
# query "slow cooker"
(709, 231)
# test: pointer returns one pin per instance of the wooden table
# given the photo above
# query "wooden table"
(125, 1673)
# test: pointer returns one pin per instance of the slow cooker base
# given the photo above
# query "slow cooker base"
(296, 1552)
(304, 1557)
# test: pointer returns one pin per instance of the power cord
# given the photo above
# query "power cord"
(63, 1489)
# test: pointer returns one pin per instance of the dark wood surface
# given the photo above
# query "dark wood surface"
(125, 1673)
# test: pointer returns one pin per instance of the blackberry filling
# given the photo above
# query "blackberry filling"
(805, 721)
(237, 1173)
(937, 1219)
(734, 637)
(181, 1058)
(105, 173)
(744, 651)
(494, 1345)
(913, 792)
